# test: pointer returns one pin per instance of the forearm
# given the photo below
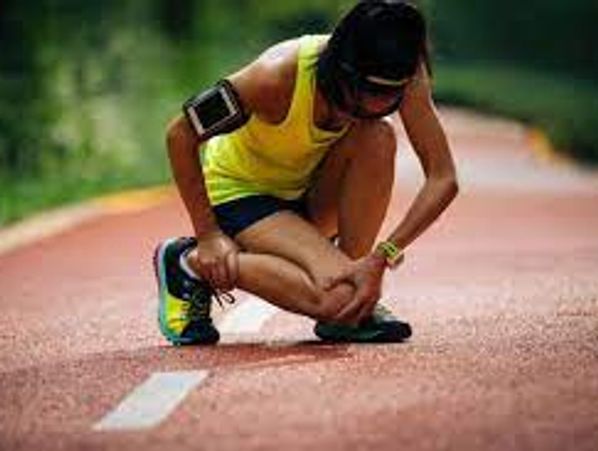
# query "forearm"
(432, 148)
(434, 197)
(188, 176)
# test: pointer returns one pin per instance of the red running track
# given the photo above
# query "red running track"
(502, 294)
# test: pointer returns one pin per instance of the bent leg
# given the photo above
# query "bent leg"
(288, 286)
(286, 260)
(354, 185)
(289, 236)
(286, 257)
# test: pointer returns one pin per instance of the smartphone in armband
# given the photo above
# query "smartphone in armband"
(214, 111)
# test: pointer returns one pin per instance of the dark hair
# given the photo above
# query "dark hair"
(382, 38)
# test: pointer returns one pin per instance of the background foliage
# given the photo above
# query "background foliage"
(86, 88)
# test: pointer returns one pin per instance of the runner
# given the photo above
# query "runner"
(294, 179)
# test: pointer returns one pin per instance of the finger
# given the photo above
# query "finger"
(348, 314)
(351, 317)
(362, 298)
(208, 273)
(365, 312)
(224, 283)
(220, 276)
(232, 263)
(370, 300)
(228, 284)
(203, 270)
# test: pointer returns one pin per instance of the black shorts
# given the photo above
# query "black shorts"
(235, 216)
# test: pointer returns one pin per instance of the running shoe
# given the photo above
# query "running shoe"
(381, 327)
(185, 303)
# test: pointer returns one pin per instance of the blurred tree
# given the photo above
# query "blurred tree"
(176, 18)
(548, 34)
(92, 84)
(24, 102)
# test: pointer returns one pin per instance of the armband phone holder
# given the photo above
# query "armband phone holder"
(216, 110)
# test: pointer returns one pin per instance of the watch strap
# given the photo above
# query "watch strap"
(392, 253)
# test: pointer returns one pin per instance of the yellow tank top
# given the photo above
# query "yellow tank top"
(261, 158)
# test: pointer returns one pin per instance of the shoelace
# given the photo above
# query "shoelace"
(228, 297)
(200, 310)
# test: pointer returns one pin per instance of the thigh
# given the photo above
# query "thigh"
(287, 235)
(352, 189)
(323, 197)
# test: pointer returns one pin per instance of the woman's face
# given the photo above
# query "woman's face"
(380, 104)
(372, 104)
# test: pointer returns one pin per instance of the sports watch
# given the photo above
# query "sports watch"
(392, 253)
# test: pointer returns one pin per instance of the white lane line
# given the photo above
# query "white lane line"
(248, 317)
(152, 401)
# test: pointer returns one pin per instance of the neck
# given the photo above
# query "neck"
(327, 116)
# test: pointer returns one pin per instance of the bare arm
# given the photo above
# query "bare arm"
(431, 146)
(182, 143)
(440, 188)
(261, 85)
(257, 86)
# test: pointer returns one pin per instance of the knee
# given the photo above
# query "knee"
(379, 144)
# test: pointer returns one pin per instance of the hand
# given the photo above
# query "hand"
(366, 277)
(216, 260)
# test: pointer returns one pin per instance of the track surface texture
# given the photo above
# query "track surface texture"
(502, 294)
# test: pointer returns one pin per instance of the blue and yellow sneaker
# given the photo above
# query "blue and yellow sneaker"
(381, 327)
(184, 302)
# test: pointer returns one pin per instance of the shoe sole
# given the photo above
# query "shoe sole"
(160, 273)
(394, 332)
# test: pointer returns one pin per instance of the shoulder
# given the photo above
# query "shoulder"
(266, 84)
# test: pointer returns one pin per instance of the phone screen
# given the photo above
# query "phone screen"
(213, 109)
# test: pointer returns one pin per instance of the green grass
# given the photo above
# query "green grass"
(565, 108)
(70, 182)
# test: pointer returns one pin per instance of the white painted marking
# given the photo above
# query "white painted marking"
(248, 317)
(152, 401)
